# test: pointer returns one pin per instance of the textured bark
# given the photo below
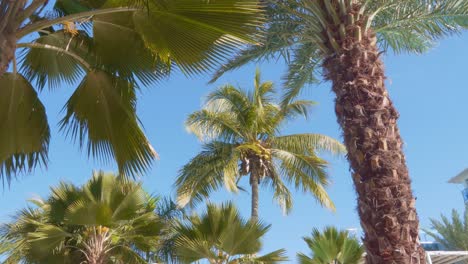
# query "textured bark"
(254, 183)
(368, 118)
(7, 49)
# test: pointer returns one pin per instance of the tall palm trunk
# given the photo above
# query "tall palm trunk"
(368, 118)
(254, 183)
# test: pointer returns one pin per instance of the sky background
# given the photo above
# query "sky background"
(430, 91)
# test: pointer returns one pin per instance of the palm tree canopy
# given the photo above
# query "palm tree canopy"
(451, 233)
(306, 32)
(332, 246)
(241, 133)
(110, 48)
(58, 229)
(221, 235)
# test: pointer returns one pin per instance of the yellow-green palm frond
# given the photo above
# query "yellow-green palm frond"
(206, 172)
(101, 114)
(24, 130)
(306, 172)
(221, 234)
(332, 246)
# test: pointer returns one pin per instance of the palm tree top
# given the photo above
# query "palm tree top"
(241, 135)
(221, 235)
(307, 32)
(332, 246)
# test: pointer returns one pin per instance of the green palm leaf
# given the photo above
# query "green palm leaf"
(332, 246)
(221, 235)
(62, 228)
(21, 148)
(205, 173)
(51, 67)
(101, 113)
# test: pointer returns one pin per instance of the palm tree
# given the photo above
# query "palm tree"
(241, 137)
(108, 220)
(344, 40)
(222, 236)
(451, 233)
(110, 49)
(332, 247)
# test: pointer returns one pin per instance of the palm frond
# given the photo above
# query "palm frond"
(208, 125)
(216, 30)
(307, 173)
(332, 246)
(304, 143)
(51, 67)
(414, 25)
(24, 131)
(204, 173)
(102, 114)
(221, 233)
(451, 232)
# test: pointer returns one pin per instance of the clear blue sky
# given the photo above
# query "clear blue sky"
(429, 90)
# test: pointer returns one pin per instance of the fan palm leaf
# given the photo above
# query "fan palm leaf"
(124, 43)
(332, 246)
(108, 218)
(221, 235)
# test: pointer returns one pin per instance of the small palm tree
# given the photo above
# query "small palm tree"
(108, 220)
(241, 137)
(107, 49)
(451, 233)
(222, 236)
(332, 247)
(343, 40)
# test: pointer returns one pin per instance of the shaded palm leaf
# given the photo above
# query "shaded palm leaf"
(24, 131)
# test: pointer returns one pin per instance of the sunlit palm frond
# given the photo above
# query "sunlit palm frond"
(204, 173)
(101, 114)
(281, 193)
(303, 143)
(413, 26)
(197, 35)
(332, 246)
(208, 125)
(452, 232)
(24, 131)
(60, 230)
(116, 34)
(220, 234)
(230, 99)
(306, 173)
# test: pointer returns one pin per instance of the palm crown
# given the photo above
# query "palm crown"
(307, 32)
(108, 220)
(111, 48)
(241, 134)
(220, 235)
(332, 247)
